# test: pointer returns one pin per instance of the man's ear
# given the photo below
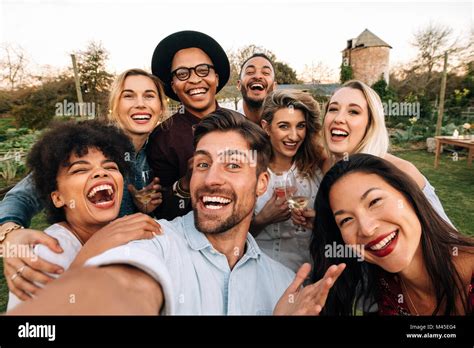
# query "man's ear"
(262, 183)
(217, 77)
(238, 84)
(58, 201)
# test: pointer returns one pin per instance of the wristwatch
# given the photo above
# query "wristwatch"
(6, 228)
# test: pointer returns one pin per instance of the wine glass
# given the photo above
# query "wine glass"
(144, 195)
(279, 185)
(298, 190)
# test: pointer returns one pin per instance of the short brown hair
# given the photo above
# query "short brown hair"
(224, 120)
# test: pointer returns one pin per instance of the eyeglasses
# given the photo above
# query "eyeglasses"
(201, 70)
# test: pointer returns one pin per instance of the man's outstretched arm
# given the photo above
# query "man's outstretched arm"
(108, 290)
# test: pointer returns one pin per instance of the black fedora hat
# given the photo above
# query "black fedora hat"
(167, 48)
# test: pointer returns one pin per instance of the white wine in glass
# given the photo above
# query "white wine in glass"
(298, 193)
(144, 196)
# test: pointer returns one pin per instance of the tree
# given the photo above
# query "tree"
(34, 107)
(284, 74)
(13, 65)
(385, 92)
(346, 73)
(317, 73)
(94, 77)
(432, 41)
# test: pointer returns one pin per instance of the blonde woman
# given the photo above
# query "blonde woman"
(354, 123)
(291, 120)
(137, 105)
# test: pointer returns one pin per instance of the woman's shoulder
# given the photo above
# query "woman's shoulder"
(407, 167)
(68, 242)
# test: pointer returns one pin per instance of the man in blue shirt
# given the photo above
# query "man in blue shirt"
(206, 262)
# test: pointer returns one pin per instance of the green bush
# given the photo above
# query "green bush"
(35, 107)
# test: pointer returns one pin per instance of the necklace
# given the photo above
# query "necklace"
(74, 233)
(409, 298)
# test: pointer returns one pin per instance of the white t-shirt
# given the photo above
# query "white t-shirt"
(281, 241)
(71, 246)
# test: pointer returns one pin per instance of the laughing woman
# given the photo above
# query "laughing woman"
(77, 170)
(137, 104)
(354, 123)
(414, 262)
(290, 118)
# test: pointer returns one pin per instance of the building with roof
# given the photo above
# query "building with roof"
(368, 56)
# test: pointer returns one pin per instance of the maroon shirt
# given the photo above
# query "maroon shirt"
(169, 148)
(390, 287)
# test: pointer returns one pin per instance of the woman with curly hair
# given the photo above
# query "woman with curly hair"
(77, 169)
(137, 105)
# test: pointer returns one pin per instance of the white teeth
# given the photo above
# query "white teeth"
(289, 144)
(215, 199)
(141, 117)
(383, 242)
(197, 91)
(101, 188)
(257, 85)
(214, 207)
(339, 132)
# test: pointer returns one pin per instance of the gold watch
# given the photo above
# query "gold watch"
(6, 228)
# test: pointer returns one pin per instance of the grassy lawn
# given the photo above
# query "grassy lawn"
(453, 180)
(454, 184)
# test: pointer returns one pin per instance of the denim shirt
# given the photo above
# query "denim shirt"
(22, 202)
(196, 278)
(140, 176)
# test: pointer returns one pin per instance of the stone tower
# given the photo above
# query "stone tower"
(368, 55)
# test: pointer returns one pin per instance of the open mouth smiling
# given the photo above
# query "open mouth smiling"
(102, 195)
(383, 245)
(197, 91)
(215, 202)
(141, 118)
(339, 134)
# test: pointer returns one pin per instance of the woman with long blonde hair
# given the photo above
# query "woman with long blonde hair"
(354, 123)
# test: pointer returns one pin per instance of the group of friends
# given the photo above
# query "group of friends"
(215, 236)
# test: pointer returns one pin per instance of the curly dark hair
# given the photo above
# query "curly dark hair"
(57, 144)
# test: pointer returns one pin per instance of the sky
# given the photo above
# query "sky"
(300, 33)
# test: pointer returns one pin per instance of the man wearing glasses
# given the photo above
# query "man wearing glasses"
(194, 68)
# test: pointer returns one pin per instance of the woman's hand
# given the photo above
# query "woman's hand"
(303, 217)
(156, 196)
(311, 299)
(21, 269)
(275, 210)
(118, 232)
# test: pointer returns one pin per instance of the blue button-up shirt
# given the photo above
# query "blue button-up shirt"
(196, 278)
